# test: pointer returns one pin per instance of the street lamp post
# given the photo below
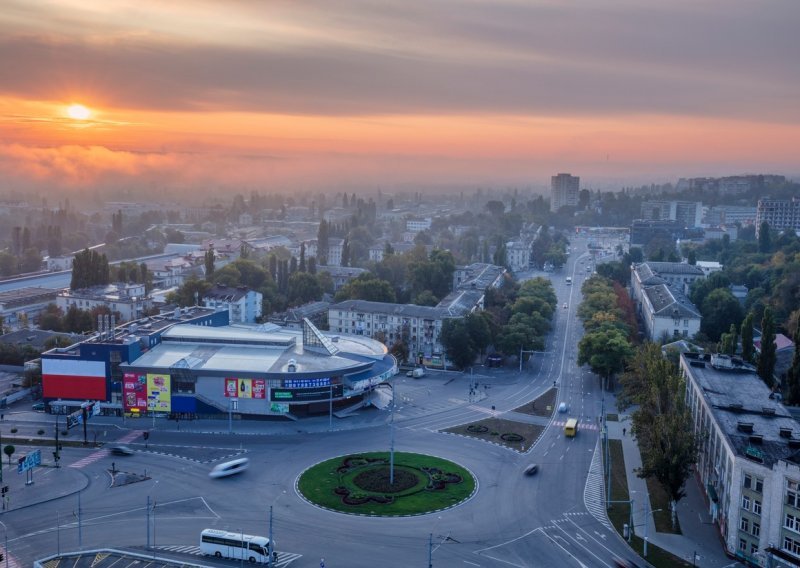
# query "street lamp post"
(391, 443)
(647, 514)
(5, 533)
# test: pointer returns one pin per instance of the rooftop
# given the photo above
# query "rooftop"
(227, 293)
(757, 426)
(22, 296)
(480, 275)
(402, 310)
(669, 302)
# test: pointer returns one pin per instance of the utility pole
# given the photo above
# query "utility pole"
(430, 550)
(646, 522)
(271, 542)
(80, 524)
(391, 444)
(330, 410)
(147, 509)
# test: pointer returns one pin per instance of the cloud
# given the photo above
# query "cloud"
(447, 57)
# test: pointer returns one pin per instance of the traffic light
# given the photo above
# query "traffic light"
(4, 490)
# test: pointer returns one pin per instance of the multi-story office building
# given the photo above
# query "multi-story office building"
(643, 230)
(780, 214)
(418, 225)
(747, 461)
(730, 215)
(564, 191)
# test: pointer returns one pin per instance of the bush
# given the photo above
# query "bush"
(14, 430)
(40, 432)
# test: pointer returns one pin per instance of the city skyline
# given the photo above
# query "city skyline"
(286, 95)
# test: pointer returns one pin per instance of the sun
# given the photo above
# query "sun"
(78, 112)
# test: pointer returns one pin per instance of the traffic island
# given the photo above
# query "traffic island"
(363, 484)
(518, 436)
(120, 478)
(543, 406)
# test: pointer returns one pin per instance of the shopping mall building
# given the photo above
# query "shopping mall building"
(192, 362)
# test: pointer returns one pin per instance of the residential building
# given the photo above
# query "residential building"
(418, 225)
(478, 275)
(564, 191)
(334, 256)
(56, 263)
(730, 215)
(780, 214)
(708, 266)
(341, 275)
(242, 303)
(730, 185)
(666, 312)
(678, 275)
(747, 461)
(376, 252)
(688, 213)
(24, 303)
(128, 300)
(315, 312)
(518, 255)
(643, 231)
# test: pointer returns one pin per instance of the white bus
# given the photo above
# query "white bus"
(224, 544)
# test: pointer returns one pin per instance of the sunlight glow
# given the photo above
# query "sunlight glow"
(78, 112)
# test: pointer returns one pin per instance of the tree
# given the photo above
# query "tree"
(366, 286)
(746, 334)
(346, 253)
(302, 264)
(9, 451)
(606, 352)
(766, 359)
(89, 269)
(728, 342)
(793, 375)
(764, 238)
(692, 257)
(457, 343)
(720, 310)
(425, 298)
(303, 288)
(209, 263)
(51, 318)
(191, 293)
(323, 242)
(667, 446)
(480, 334)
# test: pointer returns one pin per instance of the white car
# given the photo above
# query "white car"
(565, 305)
(229, 468)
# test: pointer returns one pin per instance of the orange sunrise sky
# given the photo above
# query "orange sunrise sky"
(289, 94)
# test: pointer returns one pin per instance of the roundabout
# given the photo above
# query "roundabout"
(363, 484)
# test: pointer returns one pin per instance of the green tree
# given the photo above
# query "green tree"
(480, 334)
(766, 359)
(457, 344)
(323, 242)
(793, 375)
(9, 451)
(208, 261)
(368, 287)
(191, 293)
(425, 298)
(667, 446)
(746, 334)
(89, 269)
(728, 341)
(606, 352)
(692, 257)
(51, 318)
(764, 238)
(720, 310)
(303, 288)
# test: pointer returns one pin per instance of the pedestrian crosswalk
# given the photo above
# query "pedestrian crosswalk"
(284, 558)
(9, 560)
(594, 491)
(581, 425)
(102, 453)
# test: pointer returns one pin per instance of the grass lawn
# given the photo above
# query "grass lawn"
(504, 432)
(660, 500)
(542, 406)
(331, 483)
(619, 513)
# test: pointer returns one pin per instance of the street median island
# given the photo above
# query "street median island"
(518, 436)
(544, 405)
(362, 484)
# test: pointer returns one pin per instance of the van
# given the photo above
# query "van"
(229, 468)
(416, 373)
(569, 280)
(562, 407)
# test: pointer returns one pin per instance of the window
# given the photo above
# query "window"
(745, 502)
(759, 485)
(744, 524)
(748, 481)
(756, 529)
(742, 544)
(756, 506)
(686, 323)
(753, 548)
(791, 545)
(792, 522)
(792, 496)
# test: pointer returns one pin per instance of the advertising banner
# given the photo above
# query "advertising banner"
(306, 395)
(159, 398)
(134, 392)
(231, 388)
(245, 388)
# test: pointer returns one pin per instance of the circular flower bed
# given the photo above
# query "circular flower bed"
(363, 484)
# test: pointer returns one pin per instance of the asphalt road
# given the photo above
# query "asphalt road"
(554, 518)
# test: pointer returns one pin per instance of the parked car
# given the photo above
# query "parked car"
(531, 469)
(416, 373)
(38, 407)
(229, 468)
(121, 451)
(494, 360)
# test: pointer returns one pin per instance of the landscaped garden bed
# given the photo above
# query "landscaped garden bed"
(542, 406)
(515, 435)
(363, 484)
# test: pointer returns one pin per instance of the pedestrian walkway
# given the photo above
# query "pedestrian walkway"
(284, 558)
(699, 539)
(594, 495)
(9, 560)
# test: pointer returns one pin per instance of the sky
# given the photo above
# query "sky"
(283, 95)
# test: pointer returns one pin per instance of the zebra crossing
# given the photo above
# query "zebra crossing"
(581, 425)
(284, 558)
(594, 490)
(10, 560)
(102, 453)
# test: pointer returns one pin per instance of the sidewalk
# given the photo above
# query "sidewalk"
(49, 483)
(699, 535)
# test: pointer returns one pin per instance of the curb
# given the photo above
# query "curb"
(55, 498)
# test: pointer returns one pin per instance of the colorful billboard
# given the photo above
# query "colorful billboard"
(245, 388)
(134, 392)
(158, 393)
(74, 380)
